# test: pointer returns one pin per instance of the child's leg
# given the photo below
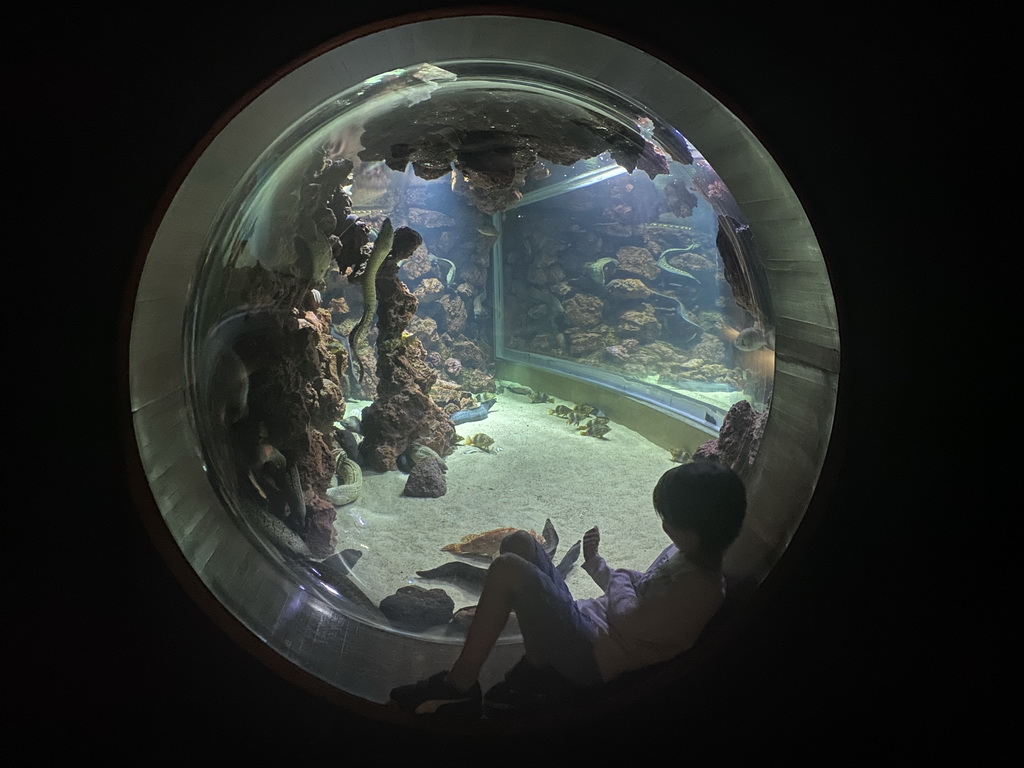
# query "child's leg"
(507, 574)
(523, 578)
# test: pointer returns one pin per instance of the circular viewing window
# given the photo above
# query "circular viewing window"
(455, 278)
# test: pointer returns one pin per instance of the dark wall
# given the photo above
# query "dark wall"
(846, 653)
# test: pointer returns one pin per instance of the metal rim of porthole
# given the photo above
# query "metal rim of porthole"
(262, 606)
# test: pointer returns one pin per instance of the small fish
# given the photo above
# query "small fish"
(561, 411)
(583, 410)
(541, 397)
(574, 418)
(488, 230)
(595, 430)
(479, 440)
(680, 456)
(710, 419)
(751, 340)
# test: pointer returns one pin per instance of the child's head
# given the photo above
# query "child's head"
(706, 498)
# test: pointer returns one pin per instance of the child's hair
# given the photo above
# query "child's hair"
(704, 497)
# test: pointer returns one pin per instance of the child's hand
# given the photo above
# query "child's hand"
(591, 540)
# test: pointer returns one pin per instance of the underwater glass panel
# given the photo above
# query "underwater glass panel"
(378, 265)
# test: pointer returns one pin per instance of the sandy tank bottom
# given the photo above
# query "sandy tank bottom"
(544, 469)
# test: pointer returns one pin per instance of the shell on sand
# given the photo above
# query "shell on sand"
(485, 543)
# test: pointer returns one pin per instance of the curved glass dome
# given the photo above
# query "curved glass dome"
(473, 293)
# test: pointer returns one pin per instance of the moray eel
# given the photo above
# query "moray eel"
(350, 482)
(451, 268)
(680, 312)
(665, 266)
(381, 249)
(473, 414)
(599, 270)
(466, 575)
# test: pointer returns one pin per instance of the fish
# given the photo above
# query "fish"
(464, 574)
(583, 409)
(753, 339)
(479, 440)
(473, 414)
(450, 274)
(350, 482)
(381, 249)
(512, 386)
(661, 226)
(666, 267)
(692, 328)
(680, 456)
(485, 544)
(710, 419)
(561, 411)
(541, 397)
(334, 573)
(488, 230)
(458, 573)
(599, 270)
(595, 428)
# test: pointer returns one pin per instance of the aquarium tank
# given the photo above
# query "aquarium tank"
(461, 298)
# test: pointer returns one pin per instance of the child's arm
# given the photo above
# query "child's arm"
(595, 565)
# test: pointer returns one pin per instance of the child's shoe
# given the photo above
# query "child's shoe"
(527, 690)
(434, 696)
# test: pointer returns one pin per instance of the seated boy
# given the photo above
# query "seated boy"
(641, 619)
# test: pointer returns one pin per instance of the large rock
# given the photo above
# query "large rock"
(583, 310)
(635, 324)
(626, 289)
(637, 262)
(426, 480)
(416, 608)
(739, 438)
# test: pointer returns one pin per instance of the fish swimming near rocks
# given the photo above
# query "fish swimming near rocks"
(335, 572)
(691, 327)
(464, 574)
(473, 414)
(350, 482)
(514, 387)
(541, 397)
(450, 274)
(665, 266)
(480, 441)
(596, 428)
(753, 339)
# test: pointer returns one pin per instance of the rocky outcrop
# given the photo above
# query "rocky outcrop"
(416, 608)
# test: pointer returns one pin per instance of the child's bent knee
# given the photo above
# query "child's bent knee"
(519, 543)
(509, 568)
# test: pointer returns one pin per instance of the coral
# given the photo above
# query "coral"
(626, 289)
(583, 310)
(639, 324)
(455, 315)
(402, 412)
(429, 219)
(582, 342)
(711, 350)
(453, 366)
(320, 535)
(637, 262)
(739, 438)
(428, 290)
(469, 353)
